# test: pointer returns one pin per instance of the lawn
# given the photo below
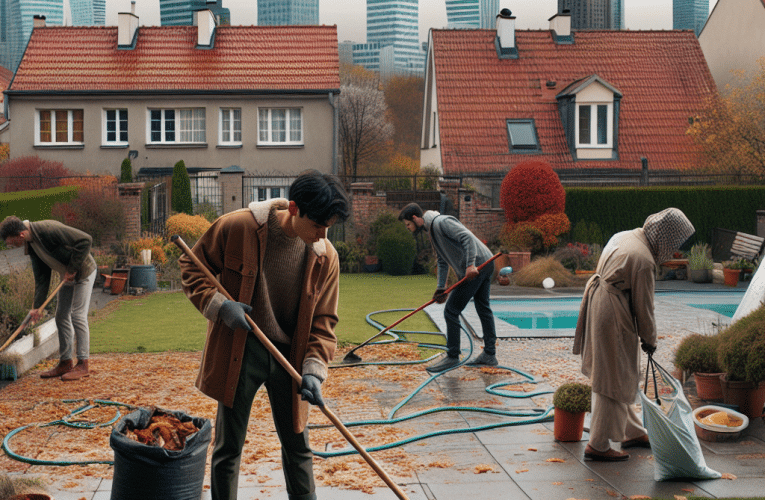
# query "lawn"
(165, 321)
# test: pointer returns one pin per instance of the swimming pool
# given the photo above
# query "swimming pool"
(561, 313)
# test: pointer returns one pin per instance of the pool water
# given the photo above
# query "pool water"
(562, 312)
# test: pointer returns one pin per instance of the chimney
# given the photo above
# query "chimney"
(505, 41)
(127, 25)
(38, 21)
(560, 26)
(205, 21)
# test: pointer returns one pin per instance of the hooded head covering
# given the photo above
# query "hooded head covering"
(666, 231)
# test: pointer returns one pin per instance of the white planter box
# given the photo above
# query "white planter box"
(25, 353)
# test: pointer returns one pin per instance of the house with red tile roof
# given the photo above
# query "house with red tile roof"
(5, 79)
(733, 40)
(586, 102)
(261, 98)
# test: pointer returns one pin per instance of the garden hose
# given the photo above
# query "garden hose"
(67, 421)
(531, 416)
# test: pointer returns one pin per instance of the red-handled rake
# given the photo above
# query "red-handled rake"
(351, 357)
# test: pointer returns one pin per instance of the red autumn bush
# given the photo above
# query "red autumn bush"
(32, 172)
(94, 211)
(531, 189)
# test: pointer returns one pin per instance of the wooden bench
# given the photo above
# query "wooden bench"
(747, 246)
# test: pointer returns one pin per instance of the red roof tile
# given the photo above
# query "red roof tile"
(662, 76)
(247, 58)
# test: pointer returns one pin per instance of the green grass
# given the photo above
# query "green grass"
(167, 321)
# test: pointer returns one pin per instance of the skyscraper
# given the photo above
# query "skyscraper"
(594, 14)
(287, 12)
(181, 12)
(17, 21)
(396, 23)
(690, 14)
(471, 13)
(88, 12)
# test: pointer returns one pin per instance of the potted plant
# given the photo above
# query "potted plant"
(741, 354)
(571, 401)
(700, 263)
(697, 354)
(732, 271)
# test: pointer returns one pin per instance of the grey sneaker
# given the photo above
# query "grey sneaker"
(484, 359)
(443, 365)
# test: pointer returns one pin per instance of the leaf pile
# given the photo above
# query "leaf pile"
(164, 430)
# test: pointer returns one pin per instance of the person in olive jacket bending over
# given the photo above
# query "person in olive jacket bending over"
(274, 259)
(53, 246)
(615, 316)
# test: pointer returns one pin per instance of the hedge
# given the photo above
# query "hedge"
(623, 208)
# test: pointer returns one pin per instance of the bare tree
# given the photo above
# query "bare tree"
(364, 127)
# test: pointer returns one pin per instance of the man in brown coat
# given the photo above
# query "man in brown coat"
(273, 258)
(616, 314)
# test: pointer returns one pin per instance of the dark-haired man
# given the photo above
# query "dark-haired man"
(458, 248)
(274, 259)
(54, 246)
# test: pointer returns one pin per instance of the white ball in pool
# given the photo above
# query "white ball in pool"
(548, 283)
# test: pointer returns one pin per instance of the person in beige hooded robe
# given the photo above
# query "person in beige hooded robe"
(616, 314)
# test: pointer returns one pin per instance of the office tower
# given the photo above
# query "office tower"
(395, 23)
(17, 21)
(181, 12)
(88, 12)
(690, 14)
(287, 12)
(594, 14)
(471, 13)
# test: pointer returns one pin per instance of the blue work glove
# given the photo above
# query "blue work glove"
(647, 348)
(439, 296)
(311, 390)
(232, 313)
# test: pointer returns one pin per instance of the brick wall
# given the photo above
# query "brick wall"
(366, 205)
(130, 196)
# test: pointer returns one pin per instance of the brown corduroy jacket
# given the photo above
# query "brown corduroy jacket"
(233, 250)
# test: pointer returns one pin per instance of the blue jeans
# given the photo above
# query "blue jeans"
(479, 290)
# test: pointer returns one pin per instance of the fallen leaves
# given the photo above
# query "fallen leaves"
(559, 460)
(483, 468)
(729, 476)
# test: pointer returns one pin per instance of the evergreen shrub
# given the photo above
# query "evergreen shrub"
(180, 196)
(397, 250)
(126, 171)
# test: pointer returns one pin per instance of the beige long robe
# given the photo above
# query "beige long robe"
(617, 310)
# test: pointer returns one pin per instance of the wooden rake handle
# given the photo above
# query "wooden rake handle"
(25, 323)
(293, 373)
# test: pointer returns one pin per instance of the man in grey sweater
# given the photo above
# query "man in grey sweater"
(54, 246)
(456, 247)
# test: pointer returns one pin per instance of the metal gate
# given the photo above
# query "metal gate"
(156, 213)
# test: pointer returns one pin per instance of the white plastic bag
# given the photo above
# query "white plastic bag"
(675, 446)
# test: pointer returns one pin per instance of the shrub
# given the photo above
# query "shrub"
(188, 227)
(180, 196)
(97, 213)
(206, 210)
(349, 255)
(551, 226)
(17, 293)
(155, 244)
(587, 232)
(700, 257)
(5, 151)
(697, 353)
(396, 249)
(32, 172)
(741, 353)
(521, 236)
(543, 267)
(126, 171)
(531, 189)
(384, 220)
(573, 397)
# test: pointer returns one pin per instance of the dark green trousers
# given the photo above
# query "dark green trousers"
(260, 367)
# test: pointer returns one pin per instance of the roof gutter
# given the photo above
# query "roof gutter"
(166, 92)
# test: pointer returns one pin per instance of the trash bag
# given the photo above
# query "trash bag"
(668, 417)
(144, 472)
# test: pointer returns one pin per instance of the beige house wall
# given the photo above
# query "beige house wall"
(316, 151)
(734, 39)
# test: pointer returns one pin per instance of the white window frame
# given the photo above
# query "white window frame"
(593, 106)
(263, 193)
(69, 128)
(293, 132)
(231, 124)
(119, 121)
(183, 125)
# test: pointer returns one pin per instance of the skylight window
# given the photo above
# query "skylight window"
(522, 136)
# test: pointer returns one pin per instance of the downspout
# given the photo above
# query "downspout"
(335, 118)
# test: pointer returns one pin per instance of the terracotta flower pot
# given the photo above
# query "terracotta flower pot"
(568, 427)
(748, 396)
(708, 386)
(731, 276)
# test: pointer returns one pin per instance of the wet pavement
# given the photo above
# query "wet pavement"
(519, 461)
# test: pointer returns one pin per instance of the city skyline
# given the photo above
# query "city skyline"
(350, 17)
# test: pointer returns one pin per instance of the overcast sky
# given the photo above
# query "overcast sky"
(350, 15)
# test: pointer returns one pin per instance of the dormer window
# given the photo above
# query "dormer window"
(589, 110)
